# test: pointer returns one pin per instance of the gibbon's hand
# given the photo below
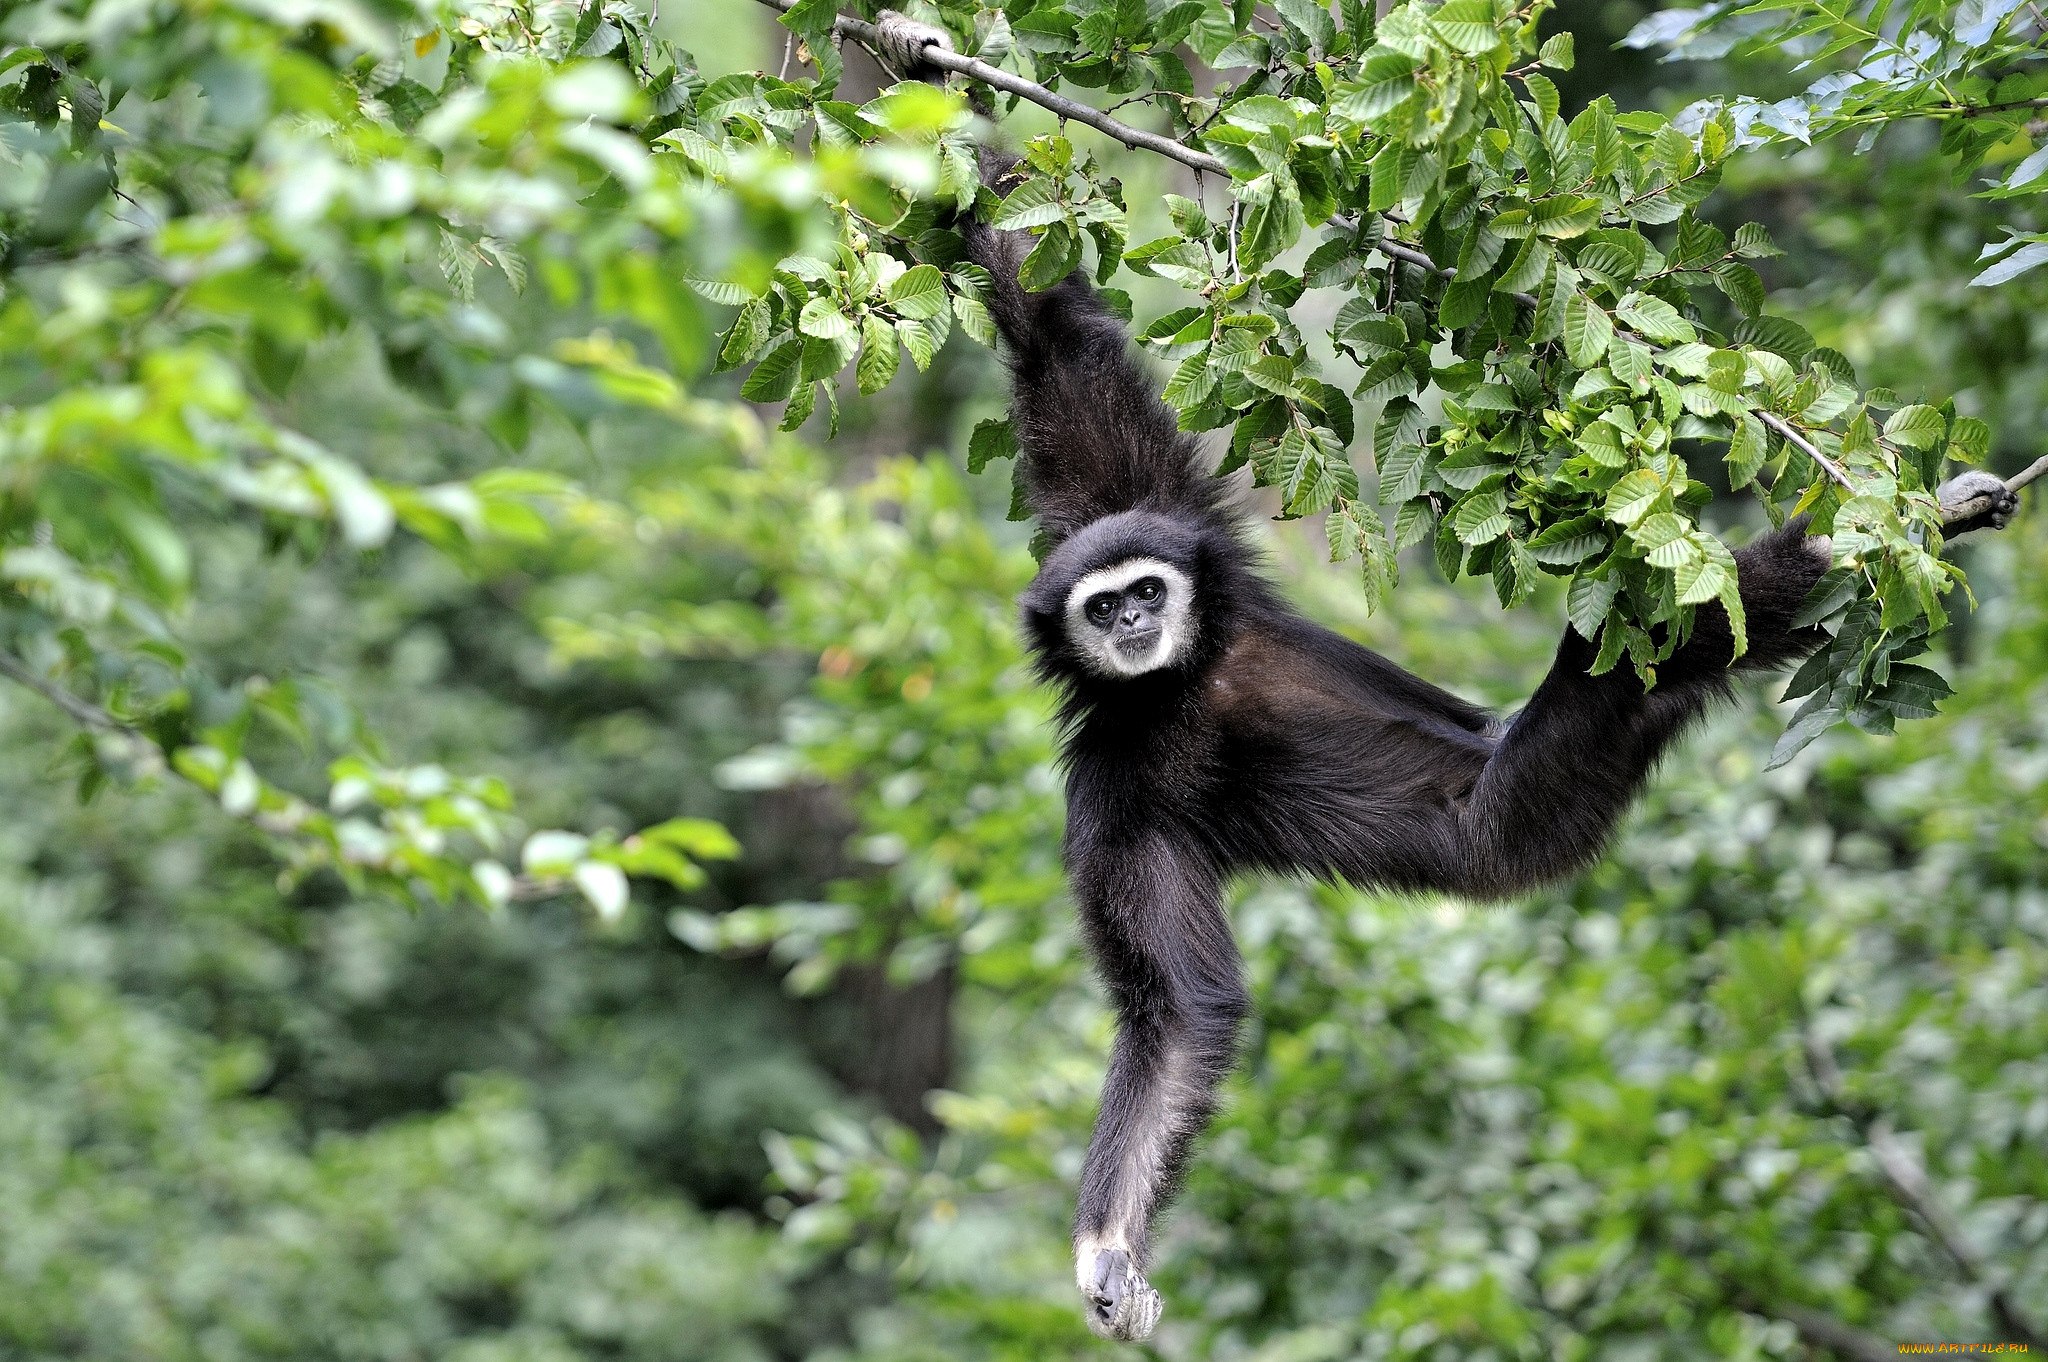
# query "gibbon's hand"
(1996, 502)
(903, 41)
(1121, 1303)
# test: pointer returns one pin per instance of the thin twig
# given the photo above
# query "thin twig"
(525, 888)
(1822, 1330)
(975, 69)
(1236, 274)
(1805, 446)
(82, 712)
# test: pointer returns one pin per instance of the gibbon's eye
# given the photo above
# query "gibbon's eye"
(1149, 590)
(1101, 607)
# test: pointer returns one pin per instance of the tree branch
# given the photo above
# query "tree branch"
(974, 68)
(1805, 446)
(84, 713)
(1822, 1330)
(81, 712)
(1907, 1180)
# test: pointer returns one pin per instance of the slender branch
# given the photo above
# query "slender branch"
(1805, 446)
(81, 712)
(1907, 1180)
(867, 35)
(84, 713)
(1979, 110)
(1822, 1330)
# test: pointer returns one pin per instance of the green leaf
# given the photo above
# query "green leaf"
(1630, 362)
(1470, 26)
(1836, 588)
(775, 375)
(992, 439)
(1569, 542)
(1747, 451)
(1051, 260)
(1481, 518)
(1916, 427)
(1587, 331)
(878, 358)
(1654, 318)
(1587, 602)
(1752, 242)
(1567, 215)
(1034, 203)
(1700, 579)
(1635, 496)
(919, 293)
(822, 318)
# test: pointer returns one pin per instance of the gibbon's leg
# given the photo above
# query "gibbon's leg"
(1164, 949)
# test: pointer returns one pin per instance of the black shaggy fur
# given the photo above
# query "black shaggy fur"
(1276, 745)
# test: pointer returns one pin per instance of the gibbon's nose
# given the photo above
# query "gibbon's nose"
(1132, 616)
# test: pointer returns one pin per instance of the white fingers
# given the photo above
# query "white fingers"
(1118, 1300)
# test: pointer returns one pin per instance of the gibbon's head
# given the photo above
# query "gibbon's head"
(1117, 600)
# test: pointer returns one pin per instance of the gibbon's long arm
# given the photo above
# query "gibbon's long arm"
(1547, 798)
(1093, 435)
(1155, 921)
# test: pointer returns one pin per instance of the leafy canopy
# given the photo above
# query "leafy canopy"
(527, 209)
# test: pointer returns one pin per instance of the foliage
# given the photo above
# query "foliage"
(1547, 282)
(1978, 69)
(368, 467)
(194, 202)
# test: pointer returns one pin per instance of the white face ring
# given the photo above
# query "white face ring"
(1176, 618)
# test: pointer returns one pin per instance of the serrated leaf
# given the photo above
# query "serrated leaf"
(822, 318)
(1587, 331)
(1634, 497)
(1748, 448)
(992, 439)
(919, 293)
(1700, 579)
(1655, 318)
(1587, 602)
(1051, 260)
(878, 358)
(1034, 203)
(775, 375)
(1481, 518)
(1836, 588)
(1752, 242)
(1916, 427)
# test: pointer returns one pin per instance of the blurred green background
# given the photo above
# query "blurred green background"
(1644, 1116)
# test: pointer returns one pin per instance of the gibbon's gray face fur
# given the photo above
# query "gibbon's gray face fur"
(1130, 618)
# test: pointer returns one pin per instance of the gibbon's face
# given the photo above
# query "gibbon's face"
(1131, 617)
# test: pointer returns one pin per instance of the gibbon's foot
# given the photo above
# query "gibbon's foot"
(903, 41)
(1119, 1301)
(1995, 502)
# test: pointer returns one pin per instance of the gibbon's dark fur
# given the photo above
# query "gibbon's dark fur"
(1273, 744)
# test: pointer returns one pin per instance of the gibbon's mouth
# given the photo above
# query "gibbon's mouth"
(1138, 642)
